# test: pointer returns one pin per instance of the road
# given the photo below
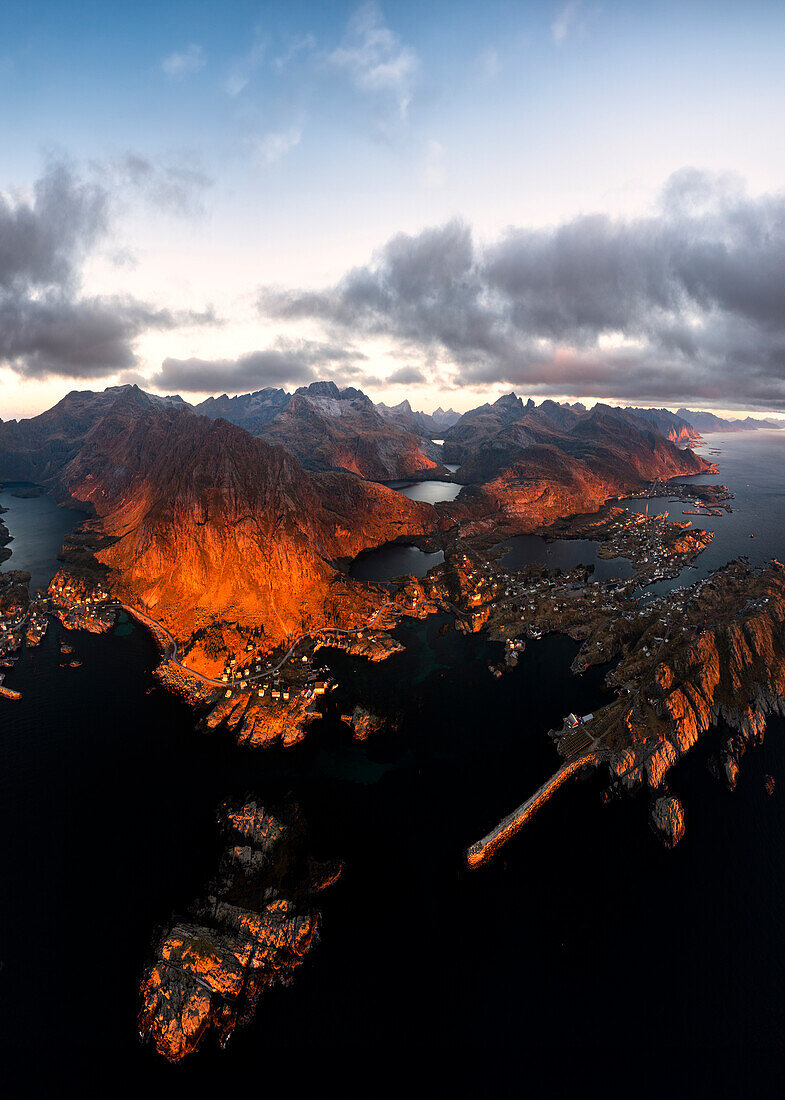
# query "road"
(155, 627)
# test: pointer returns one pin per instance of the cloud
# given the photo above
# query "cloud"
(288, 362)
(242, 69)
(273, 146)
(685, 304)
(487, 65)
(175, 187)
(46, 327)
(302, 44)
(88, 338)
(406, 376)
(43, 241)
(185, 62)
(375, 60)
(565, 20)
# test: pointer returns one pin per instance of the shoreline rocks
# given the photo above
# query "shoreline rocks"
(667, 820)
(256, 925)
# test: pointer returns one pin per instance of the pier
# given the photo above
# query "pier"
(484, 850)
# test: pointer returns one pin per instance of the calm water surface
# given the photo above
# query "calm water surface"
(752, 465)
(107, 802)
(391, 561)
(524, 550)
(38, 528)
(429, 492)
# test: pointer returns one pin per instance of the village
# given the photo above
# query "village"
(274, 695)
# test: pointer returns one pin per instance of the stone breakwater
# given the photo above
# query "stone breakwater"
(485, 849)
(255, 927)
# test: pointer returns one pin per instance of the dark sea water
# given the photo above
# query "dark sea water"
(524, 550)
(752, 465)
(391, 561)
(37, 525)
(586, 939)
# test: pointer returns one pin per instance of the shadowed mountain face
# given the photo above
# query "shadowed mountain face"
(37, 449)
(428, 425)
(676, 427)
(530, 471)
(252, 411)
(481, 425)
(487, 438)
(707, 422)
(326, 428)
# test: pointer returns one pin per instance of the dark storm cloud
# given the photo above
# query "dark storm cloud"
(42, 241)
(288, 363)
(87, 338)
(697, 290)
(46, 327)
(406, 376)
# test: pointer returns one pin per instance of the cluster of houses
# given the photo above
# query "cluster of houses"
(267, 683)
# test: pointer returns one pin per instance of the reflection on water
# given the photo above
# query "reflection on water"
(391, 561)
(429, 492)
(562, 554)
(38, 528)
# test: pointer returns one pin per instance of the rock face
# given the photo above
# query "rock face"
(667, 819)
(420, 423)
(691, 663)
(532, 470)
(37, 449)
(676, 428)
(256, 926)
(203, 525)
(326, 429)
(707, 422)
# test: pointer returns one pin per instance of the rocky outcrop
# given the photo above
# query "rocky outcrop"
(326, 428)
(667, 819)
(713, 656)
(255, 927)
(14, 590)
(5, 538)
(364, 724)
(263, 722)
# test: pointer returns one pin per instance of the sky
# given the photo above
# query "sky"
(436, 202)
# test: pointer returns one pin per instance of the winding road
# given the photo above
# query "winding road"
(156, 628)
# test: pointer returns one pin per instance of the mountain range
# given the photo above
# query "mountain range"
(217, 530)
